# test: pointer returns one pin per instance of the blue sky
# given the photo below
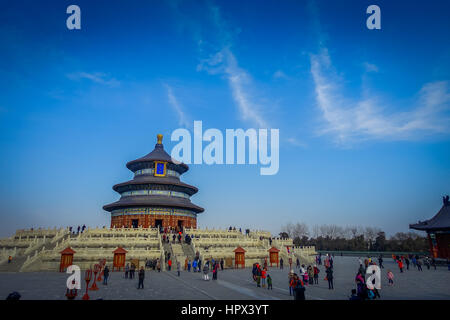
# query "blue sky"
(364, 115)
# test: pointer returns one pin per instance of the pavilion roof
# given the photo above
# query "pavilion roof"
(120, 250)
(441, 221)
(68, 250)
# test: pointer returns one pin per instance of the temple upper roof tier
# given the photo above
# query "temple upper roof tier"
(158, 154)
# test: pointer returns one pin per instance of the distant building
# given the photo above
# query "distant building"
(438, 231)
(156, 196)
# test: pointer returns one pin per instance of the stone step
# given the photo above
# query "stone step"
(188, 251)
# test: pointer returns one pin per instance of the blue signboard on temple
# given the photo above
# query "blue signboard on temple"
(160, 169)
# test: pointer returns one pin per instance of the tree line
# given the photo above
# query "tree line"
(352, 238)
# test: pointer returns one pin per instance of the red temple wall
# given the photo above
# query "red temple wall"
(442, 244)
(149, 220)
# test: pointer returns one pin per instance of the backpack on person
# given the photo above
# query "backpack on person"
(299, 290)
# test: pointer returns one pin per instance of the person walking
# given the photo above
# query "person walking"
(221, 264)
(263, 277)
(310, 271)
(9, 259)
(390, 276)
(169, 263)
(290, 279)
(254, 272)
(215, 270)
(407, 263)
(419, 265)
(426, 262)
(105, 275)
(299, 289)
(281, 263)
(194, 265)
(258, 275)
(360, 286)
(316, 274)
(298, 263)
(141, 278)
(269, 282)
(127, 270)
(158, 265)
(205, 272)
(329, 272)
(189, 265)
(380, 261)
(178, 268)
(132, 270)
(400, 265)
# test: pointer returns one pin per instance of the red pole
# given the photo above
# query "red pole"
(87, 278)
(94, 285)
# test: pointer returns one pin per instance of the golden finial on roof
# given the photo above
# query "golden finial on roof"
(160, 137)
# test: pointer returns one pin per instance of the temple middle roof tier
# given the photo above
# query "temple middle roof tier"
(150, 201)
(158, 154)
(169, 182)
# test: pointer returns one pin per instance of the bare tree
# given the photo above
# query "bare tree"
(287, 229)
(296, 230)
(300, 230)
(315, 231)
(370, 233)
(347, 232)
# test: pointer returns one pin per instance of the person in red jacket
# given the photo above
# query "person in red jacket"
(298, 287)
(400, 264)
(169, 263)
(263, 277)
(316, 274)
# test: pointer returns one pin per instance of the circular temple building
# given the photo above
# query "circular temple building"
(156, 196)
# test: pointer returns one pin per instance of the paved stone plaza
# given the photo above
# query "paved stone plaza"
(232, 284)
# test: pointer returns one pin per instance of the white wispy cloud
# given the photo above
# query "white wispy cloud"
(351, 120)
(224, 62)
(370, 67)
(97, 77)
(296, 142)
(173, 101)
(279, 74)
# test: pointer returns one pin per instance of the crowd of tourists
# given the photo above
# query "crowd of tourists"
(261, 276)
(415, 260)
(362, 292)
(175, 235)
(77, 230)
